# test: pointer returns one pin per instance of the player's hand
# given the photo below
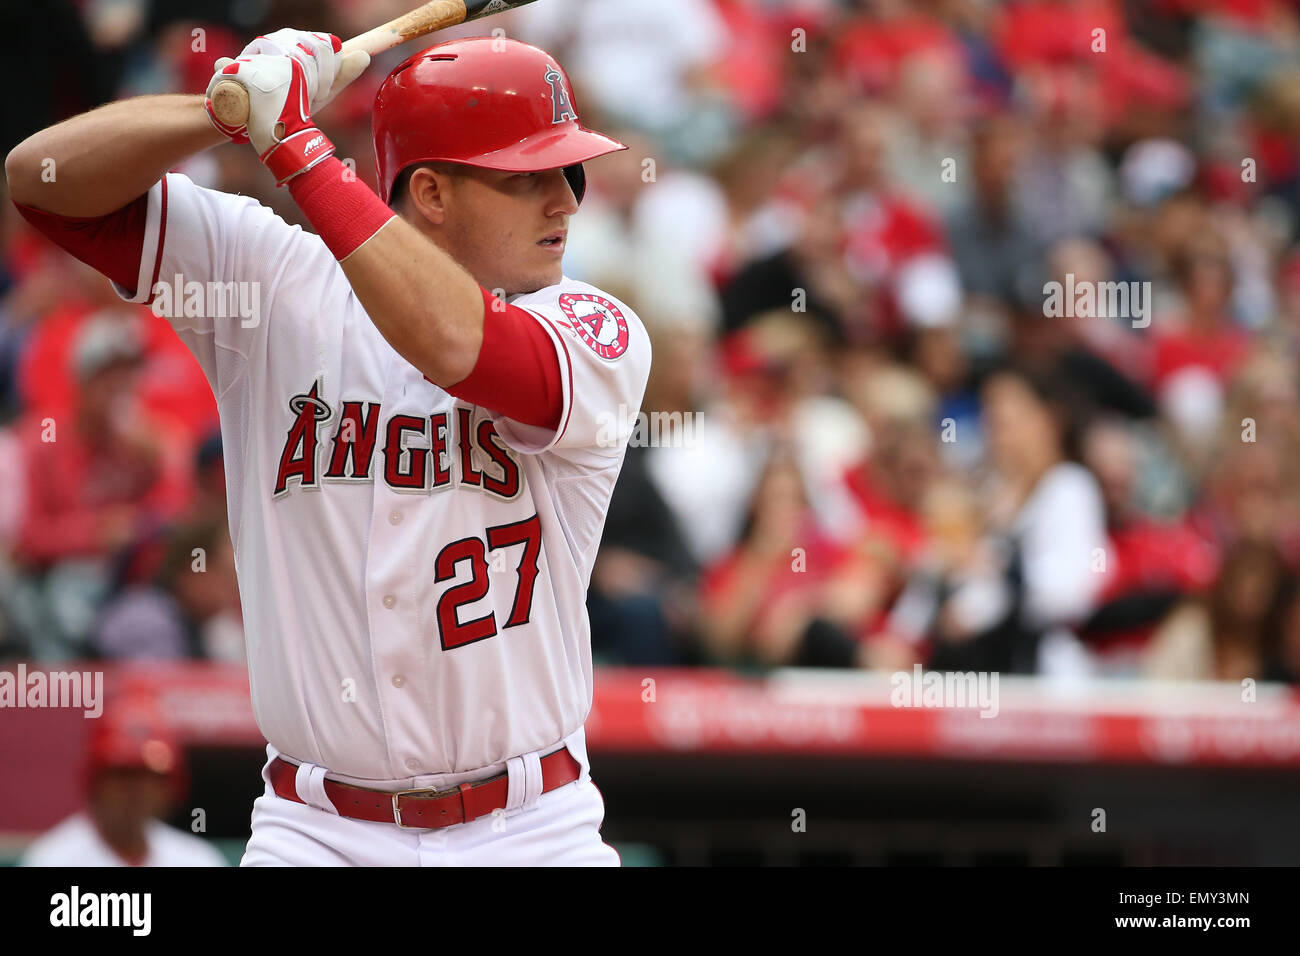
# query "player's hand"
(328, 71)
(279, 125)
(325, 70)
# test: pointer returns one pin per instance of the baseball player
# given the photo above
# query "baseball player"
(423, 427)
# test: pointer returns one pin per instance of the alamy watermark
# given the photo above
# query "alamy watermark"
(648, 430)
(128, 910)
(215, 300)
(1084, 299)
(83, 689)
(945, 689)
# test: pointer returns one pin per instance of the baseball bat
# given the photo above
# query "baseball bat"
(230, 99)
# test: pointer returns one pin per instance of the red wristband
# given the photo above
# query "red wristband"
(297, 153)
(343, 209)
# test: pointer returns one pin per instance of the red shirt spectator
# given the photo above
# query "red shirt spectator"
(100, 475)
(1149, 554)
(170, 385)
(870, 51)
(1220, 351)
(786, 577)
(885, 518)
(84, 499)
(1048, 32)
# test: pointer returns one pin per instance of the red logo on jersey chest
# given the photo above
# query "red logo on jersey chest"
(598, 322)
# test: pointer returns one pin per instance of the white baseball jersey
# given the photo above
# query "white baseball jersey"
(76, 842)
(413, 569)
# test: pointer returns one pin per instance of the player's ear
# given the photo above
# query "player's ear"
(426, 194)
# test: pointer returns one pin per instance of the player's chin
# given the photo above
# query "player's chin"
(544, 271)
(534, 280)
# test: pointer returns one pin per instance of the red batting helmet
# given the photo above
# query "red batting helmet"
(482, 101)
(132, 734)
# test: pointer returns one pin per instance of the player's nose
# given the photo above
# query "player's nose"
(560, 199)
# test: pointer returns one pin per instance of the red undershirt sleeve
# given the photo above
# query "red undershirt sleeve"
(110, 244)
(517, 373)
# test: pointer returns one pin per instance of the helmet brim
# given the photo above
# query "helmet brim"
(553, 149)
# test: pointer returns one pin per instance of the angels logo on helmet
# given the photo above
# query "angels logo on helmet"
(561, 108)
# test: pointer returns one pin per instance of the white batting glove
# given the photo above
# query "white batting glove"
(279, 124)
(325, 72)
(328, 71)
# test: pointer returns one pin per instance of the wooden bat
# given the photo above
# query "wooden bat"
(230, 99)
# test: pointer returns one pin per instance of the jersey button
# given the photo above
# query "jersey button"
(394, 517)
(389, 600)
(399, 680)
(412, 763)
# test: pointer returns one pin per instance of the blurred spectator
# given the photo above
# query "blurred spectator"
(773, 390)
(97, 481)
(885, 231)
(642, 62)
(886, 484)
(871, 49)
(787, 595)
(133, 776)
(640, 600)
(168, 383)
(948, 368)
(1064, 186)
(958, 596)
(1151, 565)
(1001, 586)
(651, 229)
(191, 611)
(1203, 335)
(995, 252)
(808, 272)
(1239, 607)
(1048, 509)
(931, 93)
(706, 482)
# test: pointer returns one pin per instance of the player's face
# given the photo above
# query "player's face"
(129, 798)
(509, 229)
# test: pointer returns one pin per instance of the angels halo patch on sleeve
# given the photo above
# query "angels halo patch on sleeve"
(598, 322)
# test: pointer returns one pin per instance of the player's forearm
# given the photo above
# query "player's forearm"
(428, 307)
(98, 162)
(422, 301)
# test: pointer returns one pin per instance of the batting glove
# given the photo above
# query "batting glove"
(279, 125)
(326, 71)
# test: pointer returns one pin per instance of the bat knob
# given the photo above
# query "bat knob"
(230, 103)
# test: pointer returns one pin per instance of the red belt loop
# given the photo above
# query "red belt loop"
(429, 808)
(466, 814)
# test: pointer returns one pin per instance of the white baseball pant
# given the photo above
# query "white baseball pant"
(558, 828)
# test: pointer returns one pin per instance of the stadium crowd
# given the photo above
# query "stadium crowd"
(876, 441)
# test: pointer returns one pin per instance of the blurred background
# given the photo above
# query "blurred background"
(837, 219)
